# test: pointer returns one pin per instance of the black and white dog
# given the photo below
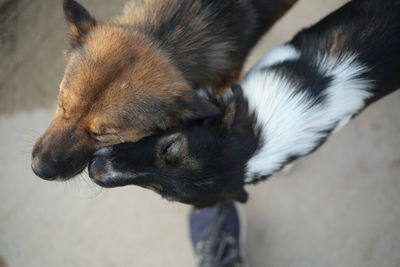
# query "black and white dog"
(286, 107)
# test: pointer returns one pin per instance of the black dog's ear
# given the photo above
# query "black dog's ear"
(79, 20)
(193, 106)
(242, 196)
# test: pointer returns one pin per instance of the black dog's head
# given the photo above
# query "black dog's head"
(201, 164)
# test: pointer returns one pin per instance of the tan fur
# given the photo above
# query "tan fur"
(337, 41)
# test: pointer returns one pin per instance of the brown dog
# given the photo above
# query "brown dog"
(133, 76)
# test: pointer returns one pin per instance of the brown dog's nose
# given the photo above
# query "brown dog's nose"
(43, 170)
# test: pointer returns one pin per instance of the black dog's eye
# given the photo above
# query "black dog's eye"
(166, 147)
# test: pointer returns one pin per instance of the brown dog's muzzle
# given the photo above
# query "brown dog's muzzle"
(62, 152)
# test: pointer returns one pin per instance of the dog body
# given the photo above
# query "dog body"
(133, 76)
(286, 108)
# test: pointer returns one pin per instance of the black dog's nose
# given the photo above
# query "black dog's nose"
(43, 170)
(97, 168)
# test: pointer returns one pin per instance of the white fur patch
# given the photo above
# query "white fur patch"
(113, 175)
(291, 124)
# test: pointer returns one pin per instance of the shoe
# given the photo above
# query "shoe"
(215, 233)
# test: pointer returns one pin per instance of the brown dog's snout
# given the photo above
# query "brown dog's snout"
(61, 153)
(51, 164)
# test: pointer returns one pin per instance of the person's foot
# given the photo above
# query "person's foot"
(215, 234)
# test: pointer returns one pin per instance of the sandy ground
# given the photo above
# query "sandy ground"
(339, 206)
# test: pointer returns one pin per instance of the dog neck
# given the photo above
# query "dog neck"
(298, 102)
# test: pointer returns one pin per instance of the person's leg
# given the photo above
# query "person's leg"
(215, 234)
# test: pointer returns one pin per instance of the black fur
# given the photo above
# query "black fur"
(369, 28)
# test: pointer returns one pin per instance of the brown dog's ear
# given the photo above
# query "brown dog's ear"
(232, 106)
(79, 20)
(229, 114)
(192, 106)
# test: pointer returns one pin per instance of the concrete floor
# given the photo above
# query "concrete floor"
(339, 206)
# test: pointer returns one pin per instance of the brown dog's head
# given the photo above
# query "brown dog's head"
(117, 87)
